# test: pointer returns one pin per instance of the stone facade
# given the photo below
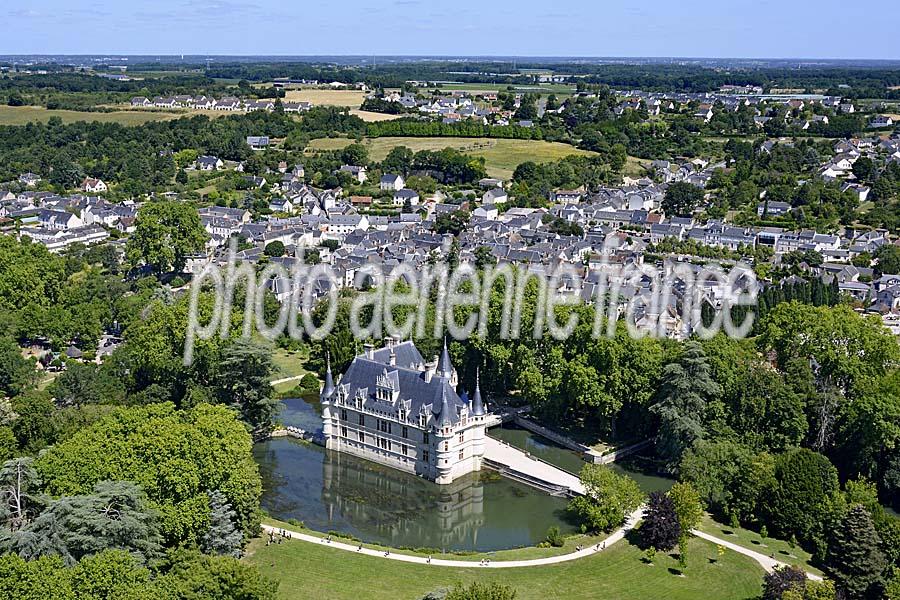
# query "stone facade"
(393, 408)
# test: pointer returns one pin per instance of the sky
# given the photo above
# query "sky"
(683, 28)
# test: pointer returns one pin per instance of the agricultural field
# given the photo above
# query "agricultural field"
(501, 156)
(306, 570)
(373, 117)
(319, 97)
(20, 115)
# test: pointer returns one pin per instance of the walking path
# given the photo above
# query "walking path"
(286, 379)
(768, 563)
(522, 462)
(614, 537)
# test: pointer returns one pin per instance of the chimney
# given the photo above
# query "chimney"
(390, 341)
(393, 360)
(369, 350)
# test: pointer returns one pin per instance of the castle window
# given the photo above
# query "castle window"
(343, 432)
(362, 420)
(426, 456)
(343, 414)
(462, 436)
(405, 432)
(425, 438)
(362, 437)
(401, 414)
(422, 421)
(460, 455)
(404, 449)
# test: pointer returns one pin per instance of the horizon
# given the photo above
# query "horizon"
(414, 28)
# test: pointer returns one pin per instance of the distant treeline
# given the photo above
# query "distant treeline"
(851, 82)
(411, 127)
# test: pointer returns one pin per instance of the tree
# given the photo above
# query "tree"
(854, 557)
(87, 384)
(166, 232)
(275, 248)
(682, 199)
(115, 517)
(176, 457)
(355, 154)
(34, 427)
(398, 160)
(482, 591)
(245, 370)
(190, 575)
(223, 537)
(684, 394)
(781, 580)
(484, 257)
(453, 222)
(865, 169)
(805, 496)
(688, 508)
(16, 372)
(19, 482)
(609, 497)
(660, 528)
(888, 256)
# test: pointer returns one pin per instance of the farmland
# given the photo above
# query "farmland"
(501, 156)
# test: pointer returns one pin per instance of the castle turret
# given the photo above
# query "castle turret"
(445, 367)
(443, 436)
(329, 413)
(479, 431)
(477, 405)
(328, 388)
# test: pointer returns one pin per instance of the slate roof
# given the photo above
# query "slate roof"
(422, 396)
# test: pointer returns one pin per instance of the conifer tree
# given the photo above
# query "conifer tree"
(854, 558)
(223, 537)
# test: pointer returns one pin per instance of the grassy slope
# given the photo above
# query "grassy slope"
(20, 115)
(752, 540)
(501, 156)
(310, 571)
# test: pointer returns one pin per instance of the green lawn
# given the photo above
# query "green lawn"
(501, 156)
(20, 115)
(307, 570)
(288, 364)
(752, 540)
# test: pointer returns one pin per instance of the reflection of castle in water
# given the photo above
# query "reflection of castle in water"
(400, 506)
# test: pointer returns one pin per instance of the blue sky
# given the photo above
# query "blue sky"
(723, 28)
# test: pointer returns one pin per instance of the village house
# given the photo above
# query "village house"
(93, 185)
(390, 181)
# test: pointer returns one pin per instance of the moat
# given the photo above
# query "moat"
(482, 511)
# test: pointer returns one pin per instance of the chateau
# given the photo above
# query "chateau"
(393, 408)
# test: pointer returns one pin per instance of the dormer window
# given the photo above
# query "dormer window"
(422, 420)
(401, 414)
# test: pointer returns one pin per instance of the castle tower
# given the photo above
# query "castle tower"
(443, 436)
(479, 431)
(329, 412)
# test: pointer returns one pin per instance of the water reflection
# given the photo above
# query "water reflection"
(334, 491)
